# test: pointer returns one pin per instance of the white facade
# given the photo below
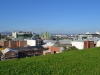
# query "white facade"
(31, 42)
(65, 41)
(48, 44)
(78, 44)
(98, 44)
(5, 50)
(14, 34)
(97, 32)
(46, 41)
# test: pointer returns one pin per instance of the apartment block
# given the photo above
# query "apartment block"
(13, 44)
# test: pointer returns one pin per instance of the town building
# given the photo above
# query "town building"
(45, 35)
(98, 43)
(51, 48)
(22, 34)
(35, 40)
(65, 41)
(13, 44)
(80, 44)
(32, 42)
(22, 52)
(60, 35)
(87, 36)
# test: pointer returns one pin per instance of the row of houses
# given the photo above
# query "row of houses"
(36, 47)
(20, 43)
(48, 48)
(23, 52)
(13, 44)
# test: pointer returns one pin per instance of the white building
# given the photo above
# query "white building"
(22, 34)
(48, 44)
(83, 44)
(98, 44)
(14, 34)
(78, 44)
(65, 41)
(97, 32)
(31, 42)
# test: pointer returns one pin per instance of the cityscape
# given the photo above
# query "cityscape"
(50, 43)
(49, 37)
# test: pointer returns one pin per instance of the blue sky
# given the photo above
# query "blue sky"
(54, 16)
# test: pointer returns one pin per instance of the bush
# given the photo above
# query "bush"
(73, 48)
(64, 49)
(70, 48)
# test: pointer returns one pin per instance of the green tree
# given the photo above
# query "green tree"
(7, 38)
(64, 49)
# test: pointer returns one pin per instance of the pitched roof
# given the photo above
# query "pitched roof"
(28, 48)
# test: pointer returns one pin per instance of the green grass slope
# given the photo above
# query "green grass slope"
(81, 62)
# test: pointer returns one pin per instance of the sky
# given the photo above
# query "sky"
(54, 16)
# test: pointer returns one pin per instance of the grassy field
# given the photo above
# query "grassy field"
(78, 62)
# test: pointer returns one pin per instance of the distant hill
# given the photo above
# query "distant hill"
(6, 33)
(77, 62)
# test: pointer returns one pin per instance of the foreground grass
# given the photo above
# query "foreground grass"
(84, 62)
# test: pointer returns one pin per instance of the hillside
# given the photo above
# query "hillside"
(81, 62)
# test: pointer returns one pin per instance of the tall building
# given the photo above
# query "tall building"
(22, 34)
(14, 34)
(34, 41)
(13, 44)
(45, 35)
(87, 36)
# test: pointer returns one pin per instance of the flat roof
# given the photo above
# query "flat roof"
(88, 34)
(82, 40)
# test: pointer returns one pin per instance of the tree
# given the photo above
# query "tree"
(69, 49)
(64, 49)
(7, 38)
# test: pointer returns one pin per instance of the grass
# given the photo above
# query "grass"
(81, 62)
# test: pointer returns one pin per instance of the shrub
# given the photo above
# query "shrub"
(70, 48)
